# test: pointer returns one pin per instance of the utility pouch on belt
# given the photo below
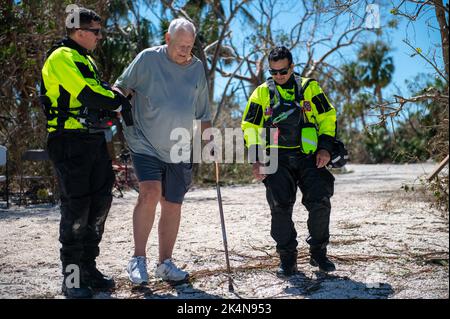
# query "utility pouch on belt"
(309, 138)
(339, 156)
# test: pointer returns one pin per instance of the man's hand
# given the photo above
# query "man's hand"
(322, 158)
(257, 172)
(126, 105)
(128, 93)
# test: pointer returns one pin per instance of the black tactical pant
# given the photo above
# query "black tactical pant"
(85, 177)
(317, 187)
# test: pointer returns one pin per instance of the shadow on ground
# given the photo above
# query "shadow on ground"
(326, 286)
(37, 210)
(157, 290)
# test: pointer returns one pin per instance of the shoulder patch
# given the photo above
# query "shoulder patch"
(307, 106)
(254, 113)
(321, 103)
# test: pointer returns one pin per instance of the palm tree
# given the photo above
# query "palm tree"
(348, 87)
(377, 68)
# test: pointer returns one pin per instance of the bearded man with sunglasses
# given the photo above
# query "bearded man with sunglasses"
(292, 115)
(78, 107)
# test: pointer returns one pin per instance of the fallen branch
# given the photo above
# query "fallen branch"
(438, 168)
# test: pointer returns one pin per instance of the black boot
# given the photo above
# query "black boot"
(319, 259)
(82, 292)
(288, 264)
(95, 279)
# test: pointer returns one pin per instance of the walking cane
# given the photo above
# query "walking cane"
(224, 234)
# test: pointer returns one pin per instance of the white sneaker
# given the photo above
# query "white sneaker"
(169, 272)
(137, 270)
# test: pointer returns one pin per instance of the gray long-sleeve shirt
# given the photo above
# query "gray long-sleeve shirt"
(168, 96)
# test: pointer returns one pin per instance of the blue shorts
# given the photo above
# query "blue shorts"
(175, 178)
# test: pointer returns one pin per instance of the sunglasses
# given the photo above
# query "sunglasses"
(281, 71)
(94, 31)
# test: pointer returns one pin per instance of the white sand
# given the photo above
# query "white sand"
(387, 243)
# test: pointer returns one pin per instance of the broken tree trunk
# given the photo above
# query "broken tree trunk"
(438, 169)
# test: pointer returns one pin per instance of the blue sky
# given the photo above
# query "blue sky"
(421, 36)
(407, 67)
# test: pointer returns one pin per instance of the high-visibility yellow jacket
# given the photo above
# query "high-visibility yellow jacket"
(315, 106)
(71, 89)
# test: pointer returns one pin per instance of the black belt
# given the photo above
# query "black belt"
(75, 132)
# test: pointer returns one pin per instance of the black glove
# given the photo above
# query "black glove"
(126, 110)
(105, 114)
(105, 85)
(339, 156)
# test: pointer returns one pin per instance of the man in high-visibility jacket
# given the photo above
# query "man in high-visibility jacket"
(77, 106)
(300, 123)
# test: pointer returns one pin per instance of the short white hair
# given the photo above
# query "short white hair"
(181, 24)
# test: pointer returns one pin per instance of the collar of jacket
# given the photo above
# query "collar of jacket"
(68, 42)
(289, 84)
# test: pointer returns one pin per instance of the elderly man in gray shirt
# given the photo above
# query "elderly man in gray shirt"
(170, 91)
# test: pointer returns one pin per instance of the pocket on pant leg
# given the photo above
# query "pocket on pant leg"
(281, 190)
(328, 181)
(55, 149)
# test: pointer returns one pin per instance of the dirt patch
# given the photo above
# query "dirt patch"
(387, 243)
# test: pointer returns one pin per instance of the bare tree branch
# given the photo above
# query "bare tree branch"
(231, 77)
(338, 46)
(233, 12)
(426, 59)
